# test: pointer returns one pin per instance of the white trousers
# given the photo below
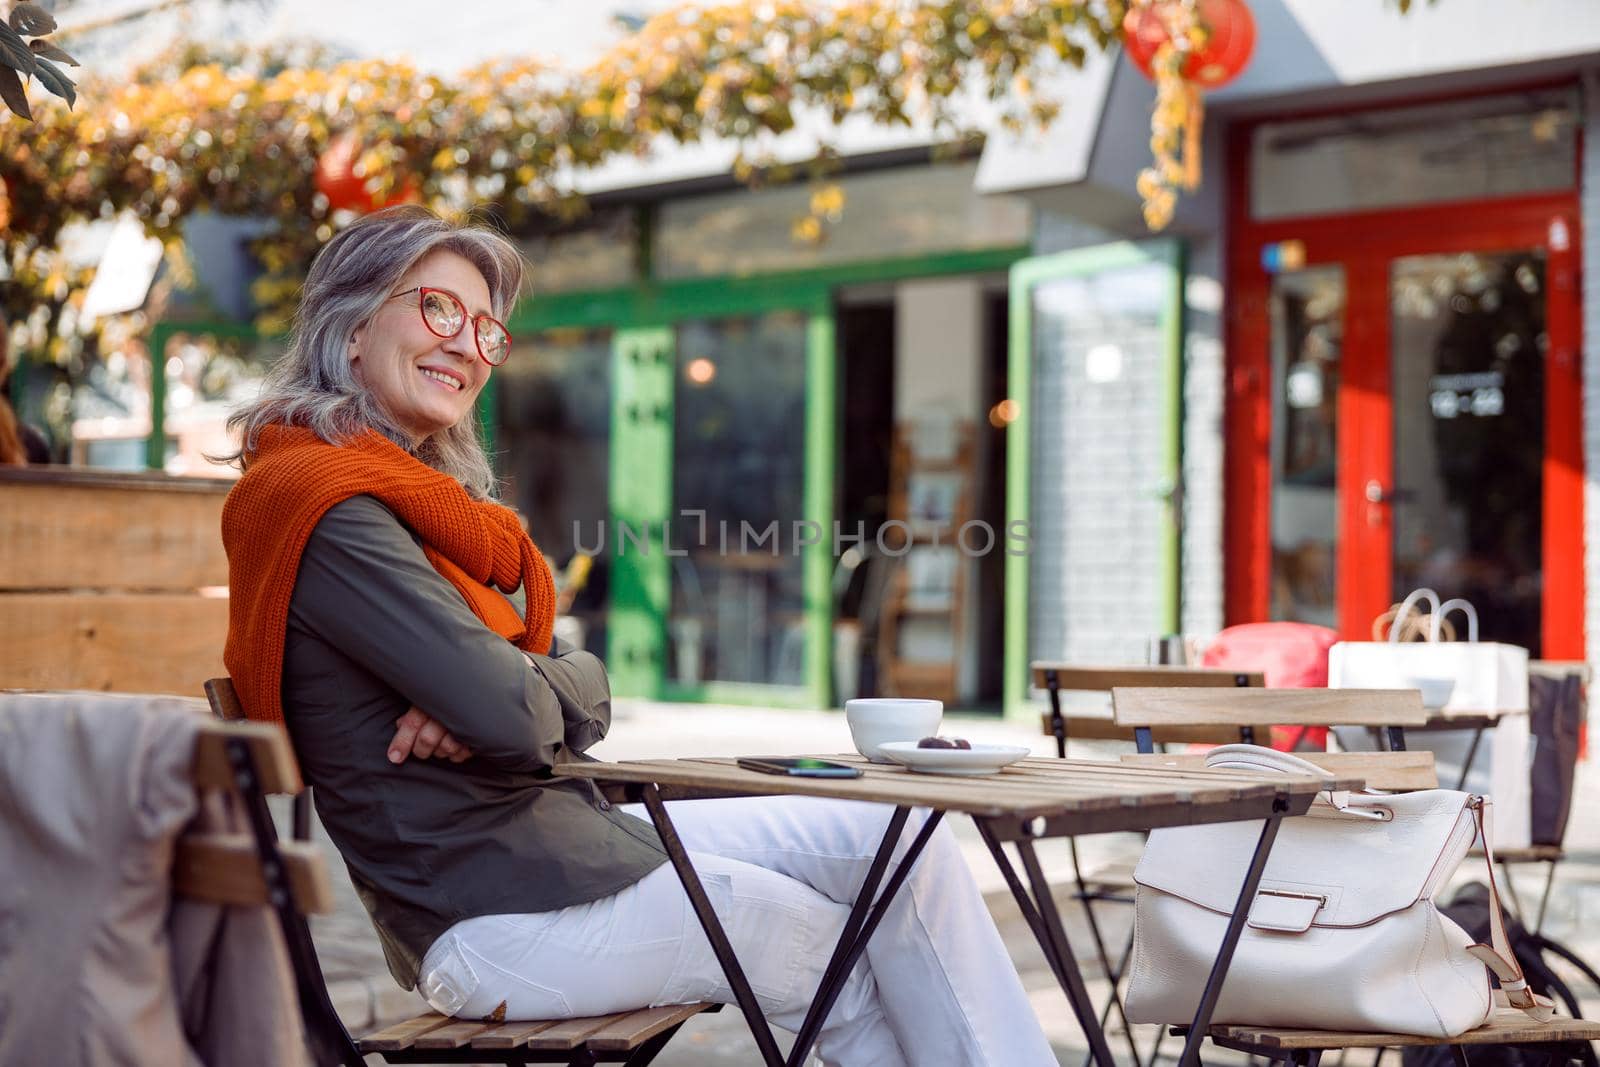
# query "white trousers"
(934, 986)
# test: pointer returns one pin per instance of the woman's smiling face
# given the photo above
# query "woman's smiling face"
(426, 383)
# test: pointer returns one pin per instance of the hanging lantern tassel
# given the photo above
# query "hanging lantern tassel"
(1193, 123)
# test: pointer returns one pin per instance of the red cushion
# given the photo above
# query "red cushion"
(1290, 655)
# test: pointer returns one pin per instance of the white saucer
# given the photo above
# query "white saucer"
(967, 762)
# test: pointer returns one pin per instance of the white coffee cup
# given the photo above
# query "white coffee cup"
(878, 720)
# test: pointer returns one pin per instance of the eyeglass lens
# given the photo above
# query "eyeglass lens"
(446, 317)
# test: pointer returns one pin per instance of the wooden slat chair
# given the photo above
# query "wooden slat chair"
(300, 886)
(1054, 678)
(1549, 855)
(1113, 884)
(1146, 710)
(1390, 711)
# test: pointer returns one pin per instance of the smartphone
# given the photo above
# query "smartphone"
(802, 767)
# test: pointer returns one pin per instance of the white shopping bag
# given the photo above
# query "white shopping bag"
(1458, 678)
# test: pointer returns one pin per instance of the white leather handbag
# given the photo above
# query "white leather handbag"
(1343, 933)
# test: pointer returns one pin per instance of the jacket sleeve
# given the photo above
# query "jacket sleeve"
(366, 588)
(586, 696)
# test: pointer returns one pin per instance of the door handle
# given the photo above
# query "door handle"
(1377, 494)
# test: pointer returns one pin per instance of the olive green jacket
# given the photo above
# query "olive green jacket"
(374, 629)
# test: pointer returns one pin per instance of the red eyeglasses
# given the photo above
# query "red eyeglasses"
(445, 315)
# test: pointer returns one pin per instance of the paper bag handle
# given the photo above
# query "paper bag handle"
(1405, 609)
(1466, 608)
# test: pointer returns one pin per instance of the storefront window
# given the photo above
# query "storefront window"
(1307, 321)
(1469, 433)
(553, 415)
(737, 613)
(1463, 150)
(599, 251)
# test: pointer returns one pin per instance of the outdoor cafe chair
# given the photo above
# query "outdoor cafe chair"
(1113, 884)
(1148, 709)
(292, 879)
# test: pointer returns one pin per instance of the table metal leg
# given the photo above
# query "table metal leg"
(865, 915)
(859, 927)
(1040, 913)
(1230, 939)
(1112, 973)
(760, 1029)
(1072, 978)
(1030, 914)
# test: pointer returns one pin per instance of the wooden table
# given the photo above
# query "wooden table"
(1031, 800)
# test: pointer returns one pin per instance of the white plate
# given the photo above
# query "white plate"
(968, 762)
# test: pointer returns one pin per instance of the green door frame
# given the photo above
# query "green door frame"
(1025, 276)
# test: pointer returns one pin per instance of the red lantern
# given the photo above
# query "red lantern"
(1227, 50)
(337, 180)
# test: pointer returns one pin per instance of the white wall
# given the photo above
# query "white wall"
(938, 348)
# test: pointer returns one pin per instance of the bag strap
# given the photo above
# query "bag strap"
(1259, 759)
(1498, 955)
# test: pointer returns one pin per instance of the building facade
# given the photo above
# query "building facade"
(988, 417)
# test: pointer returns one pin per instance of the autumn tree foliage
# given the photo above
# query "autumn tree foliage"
(240, 131)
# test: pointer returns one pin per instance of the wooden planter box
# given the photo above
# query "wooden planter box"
(111, 581)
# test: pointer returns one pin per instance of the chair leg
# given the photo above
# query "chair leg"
(1511, 893)
(1544, 901)
(1113, 975)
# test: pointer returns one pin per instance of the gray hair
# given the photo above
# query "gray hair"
(313, 383)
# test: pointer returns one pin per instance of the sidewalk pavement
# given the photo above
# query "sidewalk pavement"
(367, 998)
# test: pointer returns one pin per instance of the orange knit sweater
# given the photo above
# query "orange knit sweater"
(293, 478)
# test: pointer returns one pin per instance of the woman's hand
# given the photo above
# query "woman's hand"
(418, 734)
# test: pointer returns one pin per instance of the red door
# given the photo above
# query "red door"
(1404, 409)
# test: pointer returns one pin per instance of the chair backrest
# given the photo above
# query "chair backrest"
(1053, 678)
(1104, 679)
(230, 868)
(1144, 708)
(255, 759)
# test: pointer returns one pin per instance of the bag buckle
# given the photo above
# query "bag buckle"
(1285, 911)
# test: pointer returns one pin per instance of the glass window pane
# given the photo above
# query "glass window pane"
(553, 417)
(901, 212)
(1462, 150)
(739, 456)
(1098, 512)
(1306, 317)
(207, 376)
(598, 252)
(1469, 349)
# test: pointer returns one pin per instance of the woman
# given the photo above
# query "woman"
(369, 571)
